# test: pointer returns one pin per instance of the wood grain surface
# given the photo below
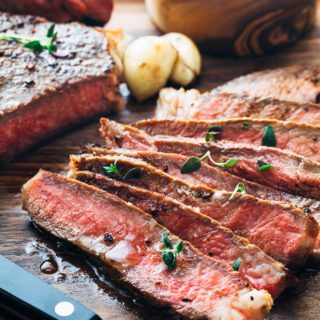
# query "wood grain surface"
(236, 27)
(23, 244)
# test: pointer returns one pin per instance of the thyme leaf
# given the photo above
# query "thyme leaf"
(50, 31)
(245, 125)
(228, 164)
(211, 136)
(262, 166)
(213, 131)
(236, 264)
(179, 247)
(166, 241)
(240, 187)
(169, 258)
(269, 137)
(191, 165)
(34, 45)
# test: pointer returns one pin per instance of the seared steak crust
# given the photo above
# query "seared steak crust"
(269, 225)
(207, 235)
(299, 83)
(38, 97)
(191, 104)
(83, 215)
(298, 138)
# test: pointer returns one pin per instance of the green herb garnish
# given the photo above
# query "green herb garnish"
(194, 163)
(245, 125)
(213, 131)
(113, 170)
(169, 258)
(228, 164)
(240, 187)
(269, 137)
(236, 264)
(211, 136)
(166, 241)
(169, 254)
(262, 166)
(36, 44)
(191, 165)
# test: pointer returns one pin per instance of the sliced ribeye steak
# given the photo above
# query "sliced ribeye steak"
(290, 172)
(269, 225)
(299, 138)
(206, 234)
(128, 241)
(191, 104)
(40, 96)
(299, 83)
(211, 177)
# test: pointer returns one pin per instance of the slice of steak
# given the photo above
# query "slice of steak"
(198, 287)
(291, 173)
(207, 235)
(299, 83)
(298, 138)
(285, 233)
(94, 11)
(191, 104)
(40, 97)
(211, 177)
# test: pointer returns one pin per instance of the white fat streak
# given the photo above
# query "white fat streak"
(94, 244)
(120, 251)
(269, 273)
(252, 304)
(117, 253)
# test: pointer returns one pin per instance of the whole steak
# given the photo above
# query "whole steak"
(93, 11)
(40, 95)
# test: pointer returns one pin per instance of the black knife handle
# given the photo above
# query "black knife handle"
(28, 297)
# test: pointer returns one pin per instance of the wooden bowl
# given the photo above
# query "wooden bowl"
(236, 27)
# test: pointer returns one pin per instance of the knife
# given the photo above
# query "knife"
(28, 297)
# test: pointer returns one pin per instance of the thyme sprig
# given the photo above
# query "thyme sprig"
(169, 253)
(194, 163)
(36, 44)
(240, 187)
(113, 170)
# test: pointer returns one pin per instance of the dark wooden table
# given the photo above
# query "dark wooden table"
(23, 244)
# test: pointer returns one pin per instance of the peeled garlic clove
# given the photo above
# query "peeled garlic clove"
(148, 63)
(188, 64)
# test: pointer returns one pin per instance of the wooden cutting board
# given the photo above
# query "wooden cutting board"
(23, 244)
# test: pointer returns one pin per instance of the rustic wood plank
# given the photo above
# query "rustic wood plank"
(77, 278)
